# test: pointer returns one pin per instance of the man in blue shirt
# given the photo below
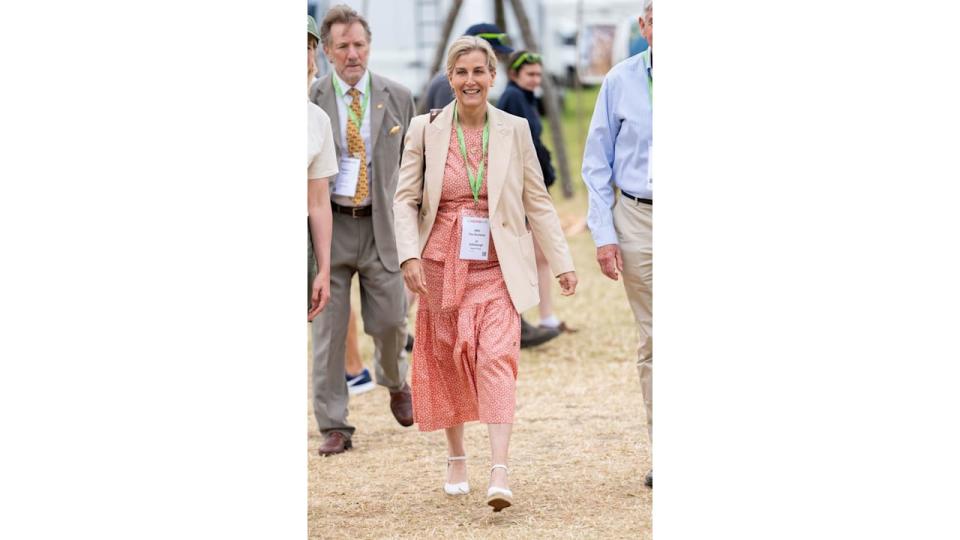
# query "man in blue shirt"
(617, 157)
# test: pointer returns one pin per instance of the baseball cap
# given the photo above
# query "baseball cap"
(493, 34)
(312, 27)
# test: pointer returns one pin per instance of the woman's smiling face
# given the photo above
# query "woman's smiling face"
(471, 78)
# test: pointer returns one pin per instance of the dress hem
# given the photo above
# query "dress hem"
(436, 427)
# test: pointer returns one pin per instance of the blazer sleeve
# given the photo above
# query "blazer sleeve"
(406, 205)
(538, 206)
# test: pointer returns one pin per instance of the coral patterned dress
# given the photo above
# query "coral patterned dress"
(468, 331)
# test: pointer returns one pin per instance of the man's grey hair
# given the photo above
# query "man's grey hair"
(344, 14)
(647, 6)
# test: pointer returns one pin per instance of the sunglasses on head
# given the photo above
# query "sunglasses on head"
(526, 58)
(501, 38)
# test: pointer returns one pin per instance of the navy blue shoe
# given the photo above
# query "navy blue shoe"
(358, 384)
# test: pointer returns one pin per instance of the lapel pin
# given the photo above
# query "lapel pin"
(379, 105)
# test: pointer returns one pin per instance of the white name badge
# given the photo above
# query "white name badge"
(474, 238)
(346, 182)
(650, 167)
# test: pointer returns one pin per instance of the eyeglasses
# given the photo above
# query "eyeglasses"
(526, 58)
(501, 38)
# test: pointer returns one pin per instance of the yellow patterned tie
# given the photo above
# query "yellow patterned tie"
(356, 147)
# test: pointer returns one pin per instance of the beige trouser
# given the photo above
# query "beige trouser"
(383, 306)
(633, 221)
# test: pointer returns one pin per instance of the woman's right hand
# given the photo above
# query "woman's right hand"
(413, 276)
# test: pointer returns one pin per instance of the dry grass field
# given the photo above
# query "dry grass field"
(578, 454)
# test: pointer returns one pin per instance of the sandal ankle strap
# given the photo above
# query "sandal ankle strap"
(456, 458)
(499, 466)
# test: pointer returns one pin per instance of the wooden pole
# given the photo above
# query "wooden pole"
(441, 51)
(551, 103)
(499, 17)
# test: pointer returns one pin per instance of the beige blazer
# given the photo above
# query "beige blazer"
(515, 191)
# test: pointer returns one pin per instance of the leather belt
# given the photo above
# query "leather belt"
(635, 198)
(352, 211)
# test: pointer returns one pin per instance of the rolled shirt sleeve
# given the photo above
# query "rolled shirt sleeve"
(598, 154)
(616, 153)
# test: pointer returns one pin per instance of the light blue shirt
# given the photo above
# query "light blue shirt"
(617, 150)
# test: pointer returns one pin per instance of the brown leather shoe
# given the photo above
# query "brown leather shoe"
(335, 443)
(401, 406)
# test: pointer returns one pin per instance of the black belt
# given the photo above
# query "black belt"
(638, 199)
(352, 211)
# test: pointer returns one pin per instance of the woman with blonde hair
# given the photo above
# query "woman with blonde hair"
(469, 184)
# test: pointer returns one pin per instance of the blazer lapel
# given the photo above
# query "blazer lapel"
(500, 150)
(378, 98)
(327, 100)
(436, 138)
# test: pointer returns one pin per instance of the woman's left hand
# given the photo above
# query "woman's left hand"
(568, 283)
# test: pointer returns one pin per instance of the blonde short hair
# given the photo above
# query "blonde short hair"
(467, 44)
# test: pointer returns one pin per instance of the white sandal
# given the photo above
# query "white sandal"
(498, 497)
(461, 488)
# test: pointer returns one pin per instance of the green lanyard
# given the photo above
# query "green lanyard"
(363, 107)
(475, 181)
(645, 56)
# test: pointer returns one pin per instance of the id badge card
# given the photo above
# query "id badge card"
(346, 182)
(650, 167)
(474, 238)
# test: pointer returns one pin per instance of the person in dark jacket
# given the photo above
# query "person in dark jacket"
(525, 71)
